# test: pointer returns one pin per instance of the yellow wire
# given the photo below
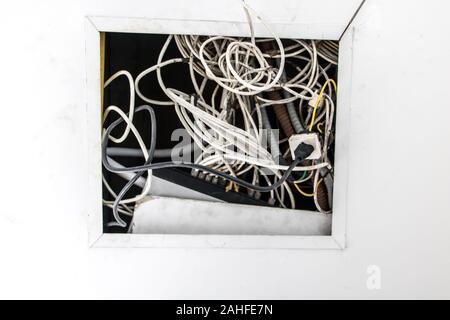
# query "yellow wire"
(303, 192)
(320, 98)
(318, 127)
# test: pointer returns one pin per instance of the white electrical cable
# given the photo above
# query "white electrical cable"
(240, 74)
(131, 108)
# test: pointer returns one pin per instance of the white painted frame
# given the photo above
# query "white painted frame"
(95, 25)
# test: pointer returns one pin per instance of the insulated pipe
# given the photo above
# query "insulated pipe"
(280, 109)
(322, 196)
(290, 106)
(282, 114)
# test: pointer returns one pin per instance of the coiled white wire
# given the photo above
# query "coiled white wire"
(240, 71)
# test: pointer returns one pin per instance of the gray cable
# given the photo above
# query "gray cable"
(159, 153)
(127, 175)
(274, 144)
(119, 221)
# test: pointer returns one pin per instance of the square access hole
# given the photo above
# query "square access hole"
(183, 200)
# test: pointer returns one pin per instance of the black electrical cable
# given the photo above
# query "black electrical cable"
(302, 152)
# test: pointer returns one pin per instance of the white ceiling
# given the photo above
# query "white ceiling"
(398, 207)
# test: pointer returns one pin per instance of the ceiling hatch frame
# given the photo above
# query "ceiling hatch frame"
(96, 26)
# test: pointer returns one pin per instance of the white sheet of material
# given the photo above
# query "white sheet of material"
(161, 215)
